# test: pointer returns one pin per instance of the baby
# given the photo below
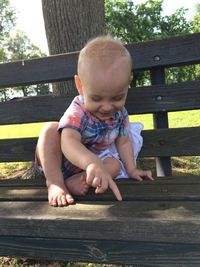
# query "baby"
(94, 141)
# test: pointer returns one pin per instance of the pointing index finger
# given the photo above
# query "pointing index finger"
(115, 190)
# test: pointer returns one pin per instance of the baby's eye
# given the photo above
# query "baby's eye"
(96, 98)
(118, 98)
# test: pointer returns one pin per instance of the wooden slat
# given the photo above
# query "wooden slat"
(171, 142)
(40, 70)
(37, 109)
(39, 181)
(167, 52)
(158, 98)
(160, 142)
(164, 98)
(137, 253)
(147, 221)
(17, 150)
(173, 189)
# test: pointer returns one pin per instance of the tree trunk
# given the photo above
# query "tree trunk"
(69, 24)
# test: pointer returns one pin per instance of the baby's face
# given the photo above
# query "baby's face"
(105, 92)
(105, 103)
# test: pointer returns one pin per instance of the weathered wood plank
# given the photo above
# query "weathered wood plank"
(158, 98)
(171, 142)
(146, 221)
(37, 109)
(20, 182)
(166, 52)
(40, 181)
(18, 149)
(151, 254)
(174, 189)
(159, 142)
(40, 70)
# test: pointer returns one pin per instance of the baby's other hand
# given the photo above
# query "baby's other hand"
(140, 175)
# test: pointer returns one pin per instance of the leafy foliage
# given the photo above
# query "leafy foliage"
(7, 19)
(17, 47)
(7, 22)
(196, 19)
(146, 21)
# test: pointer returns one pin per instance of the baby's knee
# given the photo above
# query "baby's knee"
(112, 165)
(49, 134)
(51, 126)
(50, 129)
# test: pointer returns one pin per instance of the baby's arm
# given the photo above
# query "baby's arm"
(126, 153)
(80, 156)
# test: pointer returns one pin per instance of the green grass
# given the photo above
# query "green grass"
(21, 130)
(176, 119)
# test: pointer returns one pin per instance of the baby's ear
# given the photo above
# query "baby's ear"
(78, 83)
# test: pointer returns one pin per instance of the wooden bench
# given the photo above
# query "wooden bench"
(157, 223)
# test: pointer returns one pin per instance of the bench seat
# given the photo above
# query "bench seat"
(159, 221)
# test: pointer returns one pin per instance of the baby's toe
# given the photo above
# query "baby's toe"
(69, 199)
(60, 200)
(63, 201)
(53, 201)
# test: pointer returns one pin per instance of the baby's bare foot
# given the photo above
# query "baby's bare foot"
(58, 196)
(77, 185)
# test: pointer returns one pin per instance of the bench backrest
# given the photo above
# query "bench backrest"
(159, 98)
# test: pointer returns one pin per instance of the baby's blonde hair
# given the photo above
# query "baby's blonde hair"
(103, 50)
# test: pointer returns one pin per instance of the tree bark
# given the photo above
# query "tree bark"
(69, 24)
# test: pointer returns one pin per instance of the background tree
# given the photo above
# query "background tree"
(69, 24)
(196, 19)
(14, 48)
(7, 23)
(19, 47)
(142, 22)
(146, 21)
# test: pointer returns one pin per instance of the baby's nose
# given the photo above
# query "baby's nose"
(107, 107)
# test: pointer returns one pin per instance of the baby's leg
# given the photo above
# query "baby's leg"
(77, 185)
(50, 156)
(112, 166)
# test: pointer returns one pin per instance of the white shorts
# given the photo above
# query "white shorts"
(137, 142)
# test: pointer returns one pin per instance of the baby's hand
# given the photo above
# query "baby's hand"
(140, 175)
(100, 179)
